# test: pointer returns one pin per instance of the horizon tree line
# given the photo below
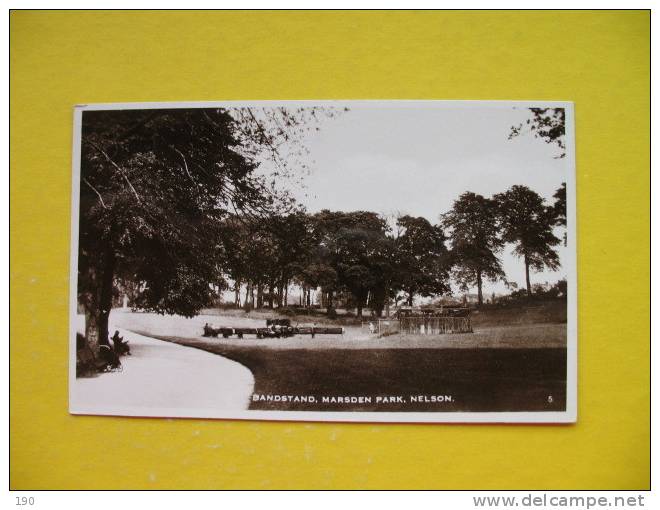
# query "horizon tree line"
(357, 253)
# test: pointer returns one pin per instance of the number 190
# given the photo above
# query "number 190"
(24, 500)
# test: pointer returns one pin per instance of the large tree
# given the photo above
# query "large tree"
(421, 258)
(356, 246)
(474, 234)
(527, 222)
(156, 187)
(292, 239)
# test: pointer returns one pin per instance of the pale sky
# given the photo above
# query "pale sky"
(417, 158)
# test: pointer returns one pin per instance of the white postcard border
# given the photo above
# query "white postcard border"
(548, 417)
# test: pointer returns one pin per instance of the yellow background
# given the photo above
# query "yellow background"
(600, 60)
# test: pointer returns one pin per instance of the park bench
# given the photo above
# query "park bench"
(87, 363)
(275, 328)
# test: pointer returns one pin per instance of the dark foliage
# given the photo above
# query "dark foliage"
(527, 222)
(548, 124)
(156, 187)
(475, 241)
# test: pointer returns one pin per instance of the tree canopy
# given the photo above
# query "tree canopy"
(475, 241)
(158, 190)
(422, 262)
(527, 223)
(559, 206)
(357, 248)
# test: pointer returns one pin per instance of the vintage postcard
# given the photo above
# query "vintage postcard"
(377, 261)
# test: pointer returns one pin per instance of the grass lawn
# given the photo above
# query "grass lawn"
(480, 379)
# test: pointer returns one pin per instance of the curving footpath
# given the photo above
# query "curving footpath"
(164, 379)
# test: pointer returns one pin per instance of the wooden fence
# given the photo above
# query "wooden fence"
(434, 325)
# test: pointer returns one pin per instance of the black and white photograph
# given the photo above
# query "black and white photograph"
(376, 261)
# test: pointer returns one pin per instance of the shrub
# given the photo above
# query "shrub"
(226, 306)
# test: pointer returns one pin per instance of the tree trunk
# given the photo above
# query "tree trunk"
(260, 295)
(237, 294)
(480, 296)
(376, 306)
(97, 312)
(529, 285)
(328, 304)
(387, 301)
(411, 294)
(92, 327)
(286, 294)
(271, 293)
(359, 309)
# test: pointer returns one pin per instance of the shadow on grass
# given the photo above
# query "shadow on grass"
(480, 379)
